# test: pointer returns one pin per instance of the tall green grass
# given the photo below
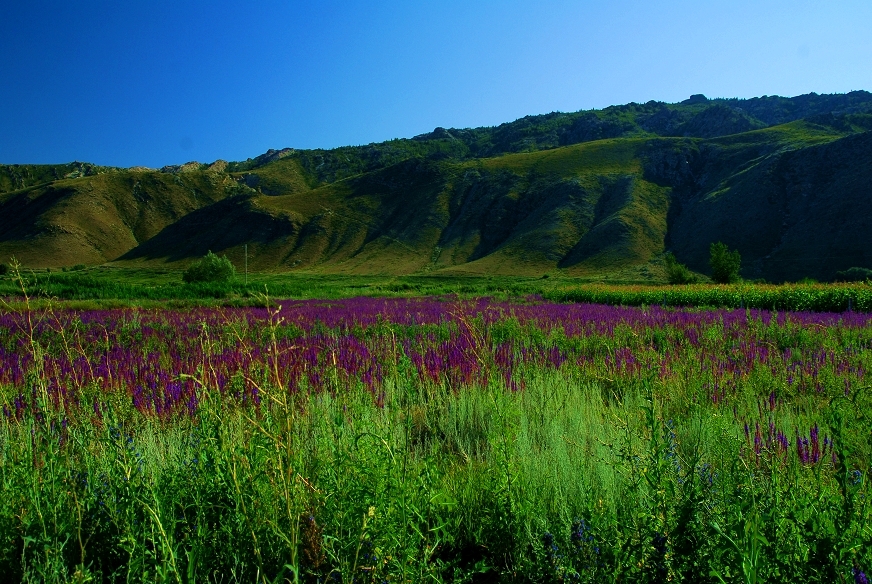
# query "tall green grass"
(144, 285)
(793, 297)
(557, 482)
(156, 286)
(578, 477)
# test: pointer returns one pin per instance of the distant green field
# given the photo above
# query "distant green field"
(104, 287)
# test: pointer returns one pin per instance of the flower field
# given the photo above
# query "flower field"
(435, 439)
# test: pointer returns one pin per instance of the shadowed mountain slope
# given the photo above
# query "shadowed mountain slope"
(792, 214)
(95, 219)
(585, 193)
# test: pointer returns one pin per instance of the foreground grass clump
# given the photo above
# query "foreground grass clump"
(374, 440)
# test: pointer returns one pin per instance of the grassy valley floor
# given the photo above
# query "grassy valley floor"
(434, 439)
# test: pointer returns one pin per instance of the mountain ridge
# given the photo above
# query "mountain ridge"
(583, 193)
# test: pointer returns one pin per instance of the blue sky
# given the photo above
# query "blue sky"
(128, 83)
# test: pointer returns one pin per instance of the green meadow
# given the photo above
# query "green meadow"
(431, 439)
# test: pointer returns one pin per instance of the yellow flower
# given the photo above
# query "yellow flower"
(371, 511)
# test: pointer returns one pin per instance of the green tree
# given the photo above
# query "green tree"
(4, 269)
(676, 272)
(725, 264)
(210, 269)
(854, 275)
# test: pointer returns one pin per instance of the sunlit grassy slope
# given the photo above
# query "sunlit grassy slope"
(793, 198)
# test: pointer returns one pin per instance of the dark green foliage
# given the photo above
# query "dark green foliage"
(4, 269)
(775, 109)
(677, 273)
(108, 287)
(332, 165)
(854, 275)
(21, 176)
(724, 263)
(811, 297)
(210, 269)
(698, 117)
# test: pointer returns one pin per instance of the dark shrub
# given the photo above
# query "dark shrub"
(4, 269)
(725, 264)
(210, 269)
(677, 273)
(854, 275)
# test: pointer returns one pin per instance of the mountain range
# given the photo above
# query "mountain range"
(785, 181)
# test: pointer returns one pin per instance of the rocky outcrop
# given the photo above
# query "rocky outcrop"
(438, 133)
(672, 164)
(272, 155)
(217, 166)
(695, 99)
(719, 120)
(179, 168)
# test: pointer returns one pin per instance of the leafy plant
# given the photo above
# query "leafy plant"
(854, 275)
(676, 272)
(4, 269)
(210, 269)
(724, 263)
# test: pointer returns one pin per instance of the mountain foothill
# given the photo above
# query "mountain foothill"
(785, 181)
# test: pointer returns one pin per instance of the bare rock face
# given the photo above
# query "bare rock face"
(438, 133)
(272, 155)
(218, 166)
(695, 99)
(190, 166)
(178, 168)
(80, 169)
(672, 164)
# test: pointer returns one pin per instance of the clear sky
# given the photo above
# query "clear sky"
(150, 83)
